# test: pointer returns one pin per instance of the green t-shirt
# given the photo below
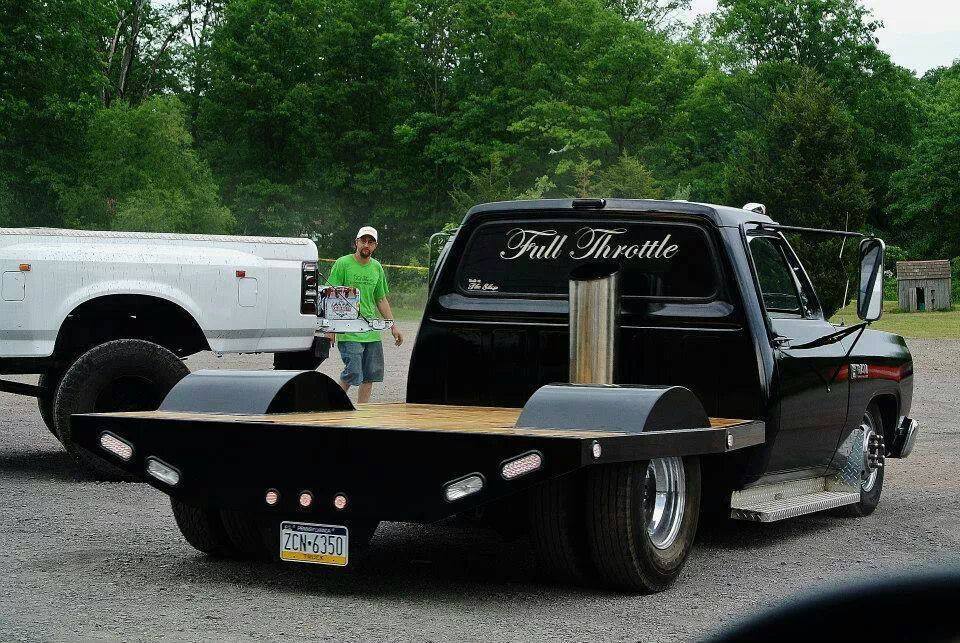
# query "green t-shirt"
(371, 281)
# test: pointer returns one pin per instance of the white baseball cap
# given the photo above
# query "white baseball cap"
(369, 230)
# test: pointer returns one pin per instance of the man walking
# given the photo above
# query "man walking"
(362, 353)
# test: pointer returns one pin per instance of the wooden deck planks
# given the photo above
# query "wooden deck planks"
(406, 417)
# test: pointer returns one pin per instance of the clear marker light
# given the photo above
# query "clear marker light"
(272, 497)
(120, 448)
(163, 471)
(306, 499)
(340, 501)
(463, 488)
(521, 466)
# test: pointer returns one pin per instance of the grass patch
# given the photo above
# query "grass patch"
(407, 314)
(940, 324)
(408, 304)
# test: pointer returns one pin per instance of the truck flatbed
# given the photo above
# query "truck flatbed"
(403, 416)
(231, 459)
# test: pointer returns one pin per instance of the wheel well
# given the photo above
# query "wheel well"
(129, 316)
(889, 409)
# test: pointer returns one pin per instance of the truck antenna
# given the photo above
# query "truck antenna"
(846, 288)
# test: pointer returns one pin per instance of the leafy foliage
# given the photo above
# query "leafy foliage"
(802, 158)
(141, 173)
(312, 117)
(926, 192)
(50, 84)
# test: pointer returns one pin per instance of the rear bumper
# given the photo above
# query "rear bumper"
(904, 438)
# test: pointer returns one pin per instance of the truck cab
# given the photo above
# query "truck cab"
(714, 299)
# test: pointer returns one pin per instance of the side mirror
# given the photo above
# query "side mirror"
(870, 296)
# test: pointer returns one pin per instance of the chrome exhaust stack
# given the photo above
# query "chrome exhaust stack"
(594, 311)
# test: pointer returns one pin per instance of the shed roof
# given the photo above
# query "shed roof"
(936, 269)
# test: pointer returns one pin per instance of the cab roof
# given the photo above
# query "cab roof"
(719, 215)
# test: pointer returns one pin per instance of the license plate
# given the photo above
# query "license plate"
(305, 542)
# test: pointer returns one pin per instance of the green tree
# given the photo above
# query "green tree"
(887, 106)
(556, 89)
(142, 174)
(828, 36)
(50, 83)
(627, 178)
(801, 161)
(837, 39)
(301, 112)
(495, 183)
(701, 134)
(926, 193)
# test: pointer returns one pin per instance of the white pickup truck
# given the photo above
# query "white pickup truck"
(106, 318)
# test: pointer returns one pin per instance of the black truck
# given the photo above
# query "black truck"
(599, 373)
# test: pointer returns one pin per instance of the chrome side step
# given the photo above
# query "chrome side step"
(772, 502)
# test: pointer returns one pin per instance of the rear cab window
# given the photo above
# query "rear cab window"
(660, 261)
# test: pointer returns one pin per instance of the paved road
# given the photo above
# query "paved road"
(87, 559)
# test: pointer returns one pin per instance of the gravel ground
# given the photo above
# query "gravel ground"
(97, 560)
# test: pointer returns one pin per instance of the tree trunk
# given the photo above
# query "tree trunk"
(130, 48)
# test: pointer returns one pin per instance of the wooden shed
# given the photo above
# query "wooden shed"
(924, 285)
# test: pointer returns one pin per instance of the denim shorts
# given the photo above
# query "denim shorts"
(362, 362)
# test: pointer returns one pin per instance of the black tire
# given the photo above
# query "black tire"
(620, 545)
(48, 384)
(247, 533)
(120, 375)
(507, 517)
(558, 530)
(203, 528)
(296, 361)
(869, 498)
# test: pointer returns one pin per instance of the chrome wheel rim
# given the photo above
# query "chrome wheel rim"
(869, 477)
(664, 498)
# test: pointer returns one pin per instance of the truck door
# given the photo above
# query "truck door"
(811, 383)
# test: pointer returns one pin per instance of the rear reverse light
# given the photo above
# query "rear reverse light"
(306, 499)
(272, 497)
(308, 288)
(521, 465)
(163, 471)
(118, 447)
(464, 487)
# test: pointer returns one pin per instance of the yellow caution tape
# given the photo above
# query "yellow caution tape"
(387, 265)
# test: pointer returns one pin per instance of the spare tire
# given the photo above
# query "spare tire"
(120, 375)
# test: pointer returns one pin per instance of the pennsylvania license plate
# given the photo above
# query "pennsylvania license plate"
(305, 542)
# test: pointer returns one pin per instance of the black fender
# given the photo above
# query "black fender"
(256, 393)
(611, 407)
